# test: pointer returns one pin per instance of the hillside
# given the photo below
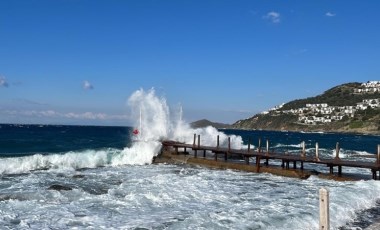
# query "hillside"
(205, 123)
(351, 107)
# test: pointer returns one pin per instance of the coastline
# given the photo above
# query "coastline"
(352, 132)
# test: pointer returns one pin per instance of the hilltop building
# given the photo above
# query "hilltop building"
(368, 87)
(313, 114)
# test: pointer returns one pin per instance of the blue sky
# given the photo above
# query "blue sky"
(78, 61)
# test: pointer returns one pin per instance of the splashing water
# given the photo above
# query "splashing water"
(151, 116)
(156, 125)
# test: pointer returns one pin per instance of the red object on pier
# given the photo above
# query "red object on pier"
(136, 131)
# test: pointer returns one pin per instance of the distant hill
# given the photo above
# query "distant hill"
(205, 123)
(351, 107)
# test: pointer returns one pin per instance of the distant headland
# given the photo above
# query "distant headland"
(351, 107)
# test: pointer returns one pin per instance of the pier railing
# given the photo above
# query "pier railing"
(258, 154)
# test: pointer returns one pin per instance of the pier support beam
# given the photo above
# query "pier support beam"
(317, 151)
(259, 148)
(374, 174)
(249, 145)
(339, 170)
(229, 144)
(337, 151)
(258, 159)
(303, 153)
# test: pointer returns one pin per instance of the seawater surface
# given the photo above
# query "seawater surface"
(106, 181)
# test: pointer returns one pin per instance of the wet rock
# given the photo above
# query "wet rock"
(78, 176)
(58, 187)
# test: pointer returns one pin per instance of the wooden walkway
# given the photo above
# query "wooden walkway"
(285, 158)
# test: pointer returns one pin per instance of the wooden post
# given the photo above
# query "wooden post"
(303, 154)
(339, 170)
(259, 145)
(317, 151)
(217, 141)
(374, 174)
(249, 149)
(337, 151)
(204, 153)
(324, 213)
(331, 169)
(199, 141)
(258, 159)
(229, 148)
(267, 146)
(249, 144)
(195, 137)
(229, 143)
(378, 154)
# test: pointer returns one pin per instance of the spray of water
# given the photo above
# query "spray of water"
(156, 123)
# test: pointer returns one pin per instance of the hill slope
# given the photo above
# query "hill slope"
(205, 123)
(341, 99)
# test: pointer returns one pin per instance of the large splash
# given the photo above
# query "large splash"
(155, 122)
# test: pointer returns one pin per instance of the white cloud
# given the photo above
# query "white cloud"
(87, 85)
(49, 113)
(69, 115)
(86, 116)
(329, 14)
(3, 82)
(273, 16)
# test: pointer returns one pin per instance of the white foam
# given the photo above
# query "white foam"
(70, 161)
(152, 116)
(180, 197)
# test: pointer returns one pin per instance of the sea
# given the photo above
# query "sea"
(99, 177)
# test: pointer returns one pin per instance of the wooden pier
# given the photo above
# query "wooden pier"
(286, 159)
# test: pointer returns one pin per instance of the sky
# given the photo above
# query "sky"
(78, 61)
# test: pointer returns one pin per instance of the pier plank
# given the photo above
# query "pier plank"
(284, 157)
